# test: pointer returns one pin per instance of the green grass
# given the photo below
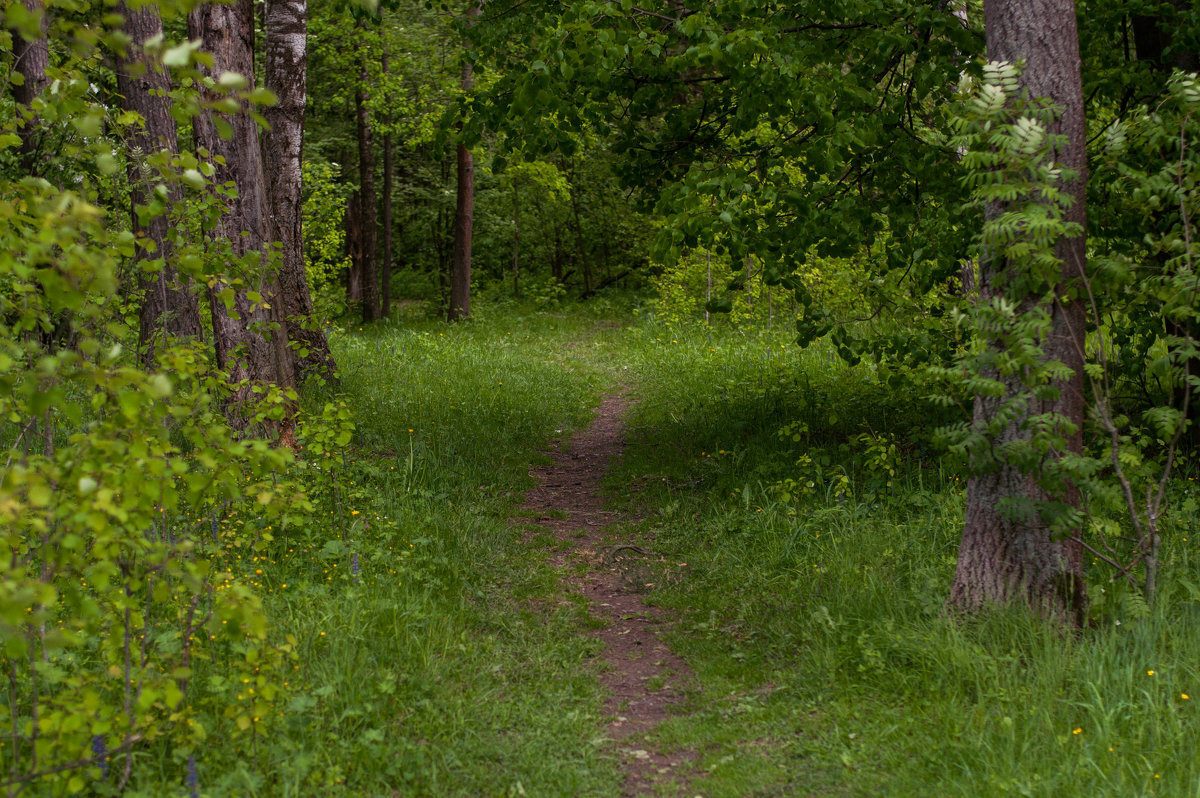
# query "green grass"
(810, 609)
(447, 665)
(824, 661)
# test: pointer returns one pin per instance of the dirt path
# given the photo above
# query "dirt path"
(643, 677)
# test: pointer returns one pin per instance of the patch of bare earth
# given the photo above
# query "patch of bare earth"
(643, 678)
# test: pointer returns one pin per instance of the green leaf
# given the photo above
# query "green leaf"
(181, 54)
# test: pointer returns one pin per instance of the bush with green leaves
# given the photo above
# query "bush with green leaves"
(126, 495)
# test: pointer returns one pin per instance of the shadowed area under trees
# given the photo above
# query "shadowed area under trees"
(900, 301)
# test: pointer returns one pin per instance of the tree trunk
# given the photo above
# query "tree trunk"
(354, 249)
(31, 57)
(366, 183)
(169, 308)
(385, 272)
(1153, 35)
(286, 24)
(585, 265)
(464, 212)
(1009, 552)
(242, 350)
(556, 262)
(516, 241)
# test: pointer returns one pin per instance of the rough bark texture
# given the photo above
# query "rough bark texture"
(228, 34)
(285, 65)
(31, 59)
(1008, 555)
(366, 183)
(464, 215)
(169, 308)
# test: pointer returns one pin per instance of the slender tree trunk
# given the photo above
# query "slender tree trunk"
(385, 272)
(556, 263)
(286, 63)
(464, 212)
(241, 348)
(708, 284)
(354, 249)
(1009, 552)
(366, 183)
(169, 308)
(31, 58)
(516, 241)
(585, 264)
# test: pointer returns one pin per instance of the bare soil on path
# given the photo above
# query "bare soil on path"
(642, 676)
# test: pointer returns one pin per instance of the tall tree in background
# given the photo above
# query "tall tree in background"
(464, 211)
(243, 347)
(1009, 550)
(286, 61)
(169, 308)
(385, 270)
(366, 185)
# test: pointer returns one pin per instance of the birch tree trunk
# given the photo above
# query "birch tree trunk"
(169, 308)
(242, 348)
(282, 152)
(1009, 552)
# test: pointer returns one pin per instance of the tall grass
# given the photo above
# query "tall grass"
(812, 530)
(813, 616)
(431, 654)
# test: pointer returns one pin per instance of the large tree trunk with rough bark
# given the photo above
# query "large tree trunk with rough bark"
(1009, 552)
(169, 308)
(366, 188)
(31, 57)
(282, 147)
(227, 32)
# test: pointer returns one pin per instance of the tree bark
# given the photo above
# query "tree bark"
(286, 61)
(354, 249)
(1009, 552)
(516, 241)
(464, 212)
(366, 184)
(242, 349)
(169, 308)
(31, 57)
(585, 264)
(385, 271)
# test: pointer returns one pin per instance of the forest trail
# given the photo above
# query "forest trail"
(642, 677)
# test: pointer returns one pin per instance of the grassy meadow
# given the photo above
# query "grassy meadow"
(436, 653)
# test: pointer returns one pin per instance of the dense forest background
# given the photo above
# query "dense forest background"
(291, 296)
